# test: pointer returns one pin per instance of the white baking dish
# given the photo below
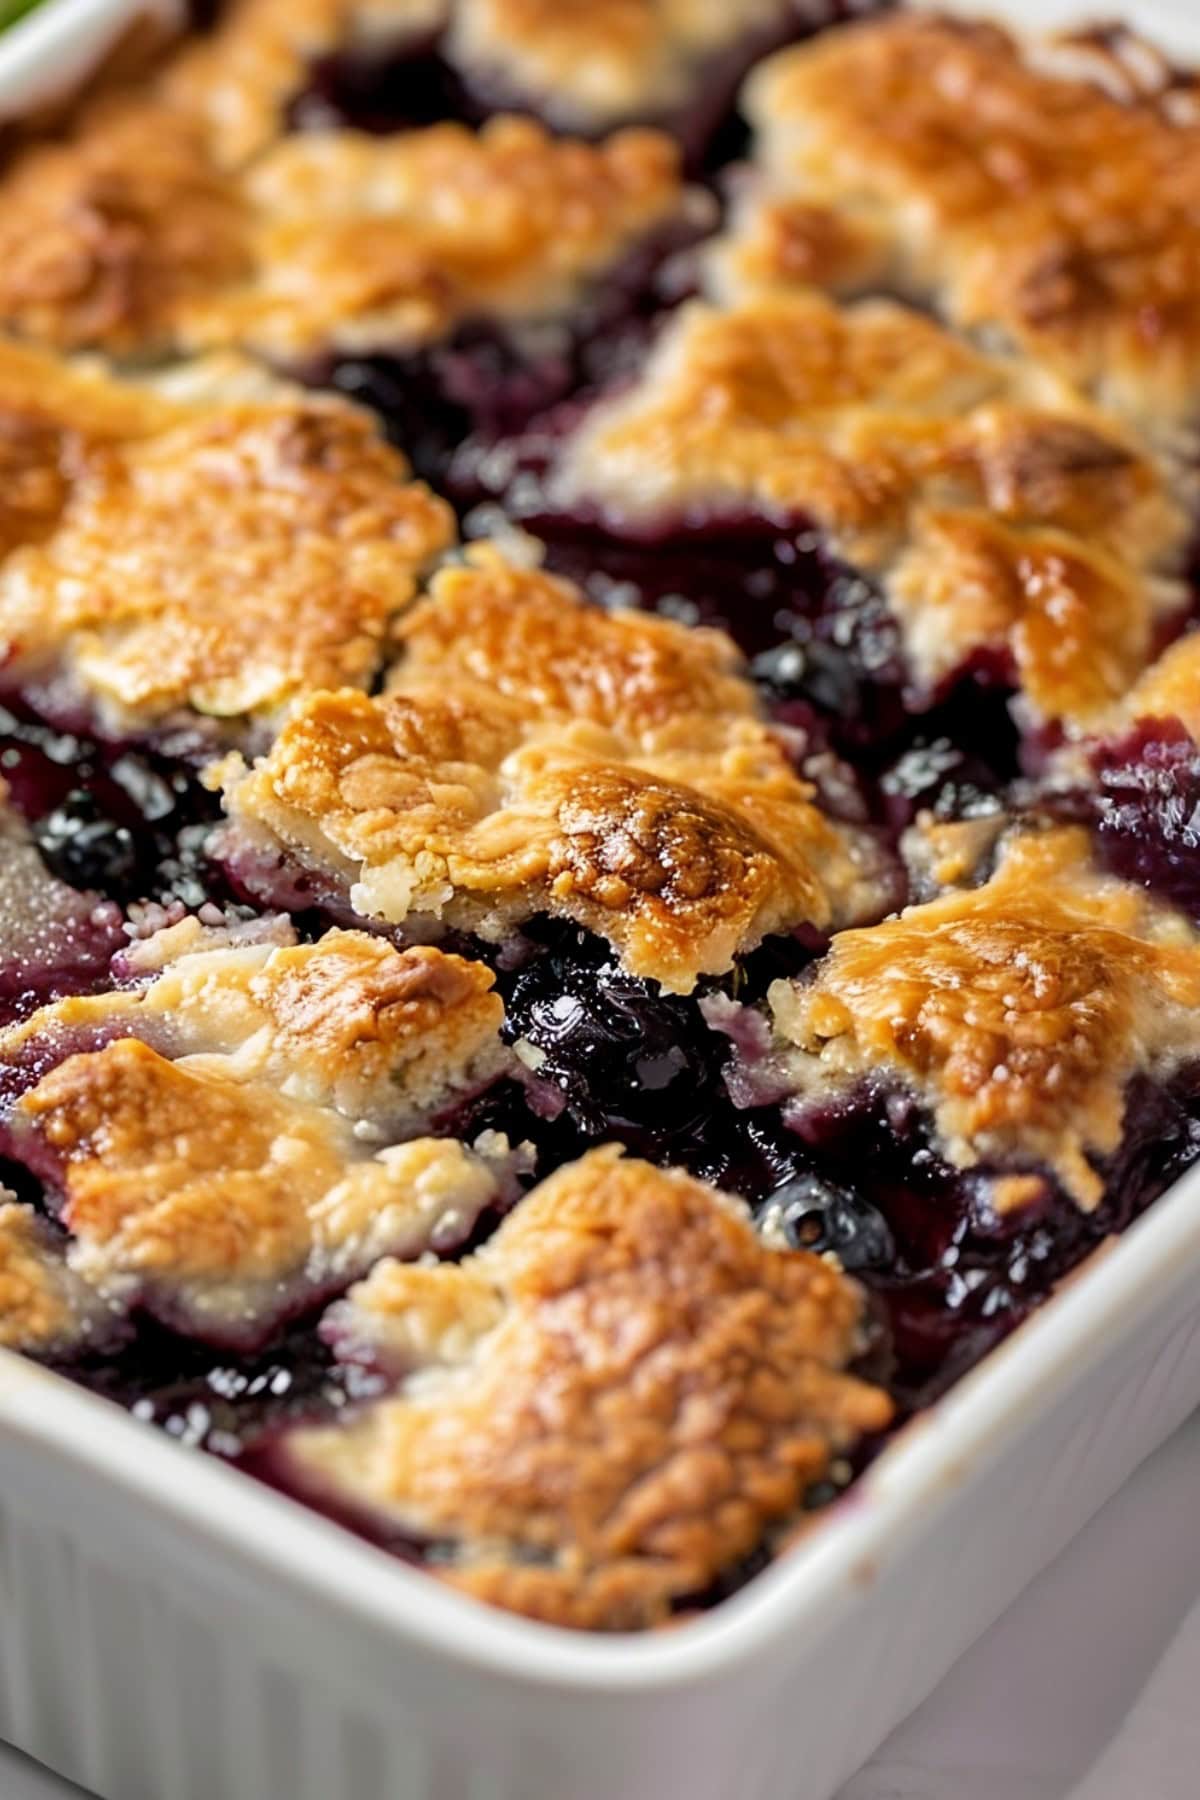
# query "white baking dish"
(171, 1631)
(46, 55)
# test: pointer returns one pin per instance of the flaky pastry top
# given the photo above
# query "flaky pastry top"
(222, 1205)
(601, 779)
(210, 556)
(998, 511)
(698, 1388)
(362, 243)
(1018, 1011)
(224, 1137)
(387, 1038)
(1052, 199)
(105, 236)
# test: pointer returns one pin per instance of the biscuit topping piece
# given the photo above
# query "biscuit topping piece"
(620, 1395)
(610, 769)
(999, 512)
(212, 548)
(1022, 198)
(507, 222)
(216, 1137)
(1017, 1011)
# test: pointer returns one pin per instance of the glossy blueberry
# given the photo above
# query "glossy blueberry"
(817, 1214)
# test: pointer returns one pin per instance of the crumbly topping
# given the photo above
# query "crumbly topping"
(1170, 688)
(102, 238)
(591, 67)
(242, 552)
(222, 1204)
(602, 779)
(391, 242)
(386, 1038)
(1018, 1010)
(1020, 196)
(524, 636)
(990, 502)
(698, 1388)
(46, 1309)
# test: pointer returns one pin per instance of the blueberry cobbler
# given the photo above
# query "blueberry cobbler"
(599, 750)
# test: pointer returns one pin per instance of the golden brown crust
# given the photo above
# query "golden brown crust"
(129, 238)
(959, 480)
(1170, 688)
(239, 555)
(698, 1383)
(222, 1203)
(1020, 197)
(524, 636)
(104, 237)
(595, 66)
(1018, 1010)
(605, 779)
(391, 242)
(386, 1038)
(45, 1308)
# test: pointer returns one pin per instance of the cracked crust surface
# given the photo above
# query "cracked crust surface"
(222, 1205)
(223, 1138)
(225, 556)
(105, 236)
(1051, 198)
(386, 1038)
(609, 769)
(584, 67)
(998, 511)
(699, 1389)
(366, 243)
(1018, 1011)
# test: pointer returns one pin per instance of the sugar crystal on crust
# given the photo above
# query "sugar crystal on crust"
(620, 1395)
(1019, 193)
(1018, 1011)
(609, 769)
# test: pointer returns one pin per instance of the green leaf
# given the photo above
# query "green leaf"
(12, 10)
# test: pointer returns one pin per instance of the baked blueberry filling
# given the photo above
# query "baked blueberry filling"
(1146, 809)
(128, 823)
